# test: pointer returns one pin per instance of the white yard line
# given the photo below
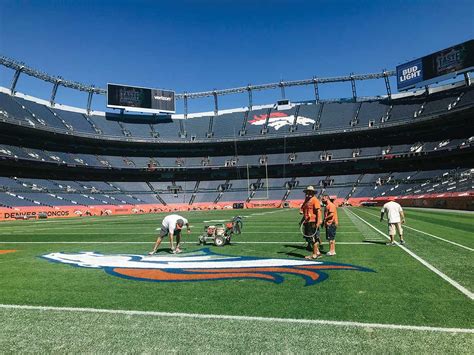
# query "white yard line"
(434, 236)
(240, 318)
(422, 261)
(428, 234)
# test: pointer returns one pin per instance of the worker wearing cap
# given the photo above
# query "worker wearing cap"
(311, 211)
(172, 226)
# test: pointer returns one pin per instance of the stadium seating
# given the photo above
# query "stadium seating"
(268, 121)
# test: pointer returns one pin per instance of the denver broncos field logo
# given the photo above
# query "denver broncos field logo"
(7, 251)
(202, 265)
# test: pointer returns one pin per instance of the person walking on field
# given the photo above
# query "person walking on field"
(395, 218)
(311, 211)
(330, 222)
(172, 226)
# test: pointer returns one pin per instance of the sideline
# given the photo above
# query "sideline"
(428, 234)
(424, 262)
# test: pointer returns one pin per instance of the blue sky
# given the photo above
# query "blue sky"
(202, 45)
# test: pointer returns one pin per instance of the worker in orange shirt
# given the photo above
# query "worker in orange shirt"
(311, 211)
(330, 222)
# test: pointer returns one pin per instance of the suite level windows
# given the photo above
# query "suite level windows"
(223, 187)
(175, 189)
(205, 162)
(256, 186)
(416, 148)
(152, 165)
(326, 182)
(231, 162)
(129, 162)
(291, 184)
(105, 163)
(325, 156)
(386, 150)
(179, 162)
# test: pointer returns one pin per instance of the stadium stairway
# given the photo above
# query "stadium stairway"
(163, 202)
(354, 187)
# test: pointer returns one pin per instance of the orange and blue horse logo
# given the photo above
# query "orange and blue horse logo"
(202, 265)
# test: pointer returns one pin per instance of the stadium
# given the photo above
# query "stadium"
(82, 191)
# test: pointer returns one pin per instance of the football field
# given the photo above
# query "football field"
(85, 285)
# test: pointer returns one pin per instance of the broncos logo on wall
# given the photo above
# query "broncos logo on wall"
(278, 120)
(202, 265)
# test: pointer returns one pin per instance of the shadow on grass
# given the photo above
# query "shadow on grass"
(382, 242)
(292, 252)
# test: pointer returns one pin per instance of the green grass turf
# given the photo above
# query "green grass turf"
(56, 332)
(401, 291)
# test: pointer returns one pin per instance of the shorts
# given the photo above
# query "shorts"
(392, 227)
(310, 229)
(164, 232)
(331, 232)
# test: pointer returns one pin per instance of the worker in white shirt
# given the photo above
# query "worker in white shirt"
(172, 226)
(395, 218)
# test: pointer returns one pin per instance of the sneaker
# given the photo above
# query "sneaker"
(402, 242)
(390, 243)
(312, 257)
(177, 251)
(151, 253)
(330, 254)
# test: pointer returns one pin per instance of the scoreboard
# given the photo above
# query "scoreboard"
(139, 99)
(436, 67)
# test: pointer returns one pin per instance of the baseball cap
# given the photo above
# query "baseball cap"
(179, 224)
(309, 188)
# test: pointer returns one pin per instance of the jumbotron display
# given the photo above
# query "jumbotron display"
(139, 99)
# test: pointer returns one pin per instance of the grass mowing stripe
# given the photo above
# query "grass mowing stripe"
(428, 234)
(240, 318)
(424, 262)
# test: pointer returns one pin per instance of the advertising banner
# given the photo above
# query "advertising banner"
(454, 59)
(437, 66)
(409, 74)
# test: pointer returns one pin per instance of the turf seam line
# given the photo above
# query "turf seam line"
(428, 234)
(240, 318)
(422, 261)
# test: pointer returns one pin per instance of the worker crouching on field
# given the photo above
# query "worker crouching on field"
(311, 211)
(330, 222)
(171, 226)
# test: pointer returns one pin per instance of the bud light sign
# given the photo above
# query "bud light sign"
(409, 74)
